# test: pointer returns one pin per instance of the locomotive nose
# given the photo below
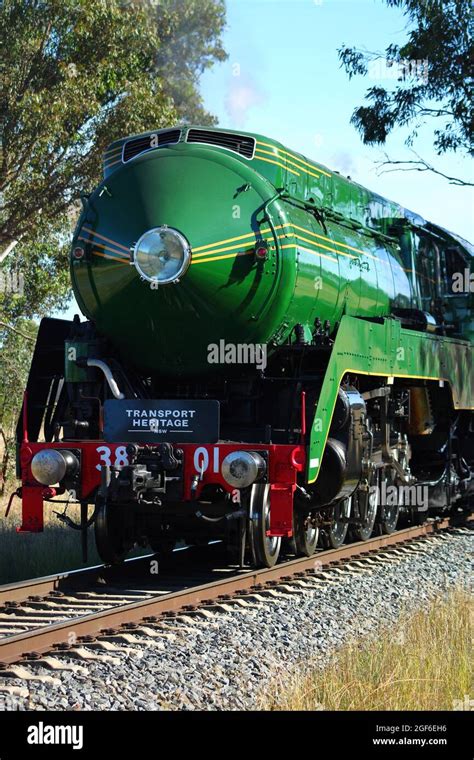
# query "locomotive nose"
(176, 253)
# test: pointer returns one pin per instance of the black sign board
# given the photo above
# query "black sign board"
(158, 420)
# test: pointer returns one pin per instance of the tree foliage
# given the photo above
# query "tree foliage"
(190, 43)
(15, 357)
(433, 77)
(78, 74)
(33, 283)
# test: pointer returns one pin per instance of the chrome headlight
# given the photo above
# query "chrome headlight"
(162, 255)
(242, 468)
(50, 466)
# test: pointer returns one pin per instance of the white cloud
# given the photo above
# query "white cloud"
(345, 163)
(243, 94)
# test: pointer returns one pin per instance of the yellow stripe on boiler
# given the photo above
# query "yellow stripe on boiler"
(109, 240)
(230, 240)
(220, 258)
(119, 262)
(277, 163)
(105, 247)
(296, 158)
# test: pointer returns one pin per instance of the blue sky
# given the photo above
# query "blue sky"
(291, 87)
(283, 79)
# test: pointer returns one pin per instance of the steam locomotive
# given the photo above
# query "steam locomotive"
(272, 355)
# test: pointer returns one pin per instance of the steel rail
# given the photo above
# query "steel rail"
(61, 634)
(69, 580)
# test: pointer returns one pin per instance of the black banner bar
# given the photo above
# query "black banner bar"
(131, 734)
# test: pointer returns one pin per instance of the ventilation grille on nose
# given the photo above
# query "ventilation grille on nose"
(238, 143)
(141, 144)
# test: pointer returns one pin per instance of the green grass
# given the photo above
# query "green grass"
(423, 663)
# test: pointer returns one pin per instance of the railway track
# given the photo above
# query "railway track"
(75, 613)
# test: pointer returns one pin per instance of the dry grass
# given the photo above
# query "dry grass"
(56, 549)
(28, 555)
(423, 663)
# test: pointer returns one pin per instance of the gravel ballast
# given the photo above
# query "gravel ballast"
(224, 661)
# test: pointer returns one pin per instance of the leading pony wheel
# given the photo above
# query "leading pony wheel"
(109, 533)
(264, 549)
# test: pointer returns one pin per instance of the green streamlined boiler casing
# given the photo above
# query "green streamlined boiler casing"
(329, 249)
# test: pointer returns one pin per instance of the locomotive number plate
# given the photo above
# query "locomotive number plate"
(157, 420)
